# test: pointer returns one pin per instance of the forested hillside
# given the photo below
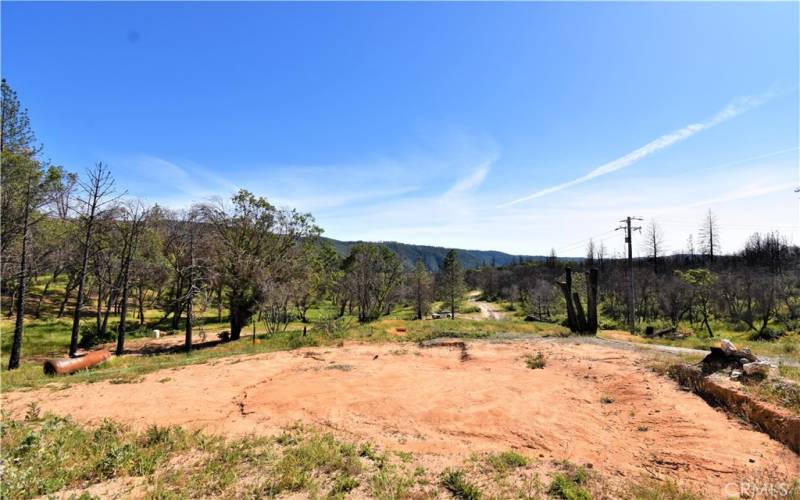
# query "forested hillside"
(433, 257)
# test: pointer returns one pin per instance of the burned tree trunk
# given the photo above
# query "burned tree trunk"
(579, 321)
(580, 317)
(591, 301)
(566, 289)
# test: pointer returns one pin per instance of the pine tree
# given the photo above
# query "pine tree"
(452, 281)
(421, 283)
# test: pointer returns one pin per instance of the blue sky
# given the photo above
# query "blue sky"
(516, 127)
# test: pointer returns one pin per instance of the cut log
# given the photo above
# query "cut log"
(66, 366)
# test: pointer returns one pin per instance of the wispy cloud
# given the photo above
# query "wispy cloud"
(470, 182)
(171, 183)
(733, 109)
(745, 192)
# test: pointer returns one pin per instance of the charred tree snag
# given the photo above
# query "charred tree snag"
(579, 321)
(591, 301)
(580, 317)
(566, 289)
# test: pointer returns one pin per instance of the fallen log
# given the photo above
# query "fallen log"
(65, 366)
(651, 331)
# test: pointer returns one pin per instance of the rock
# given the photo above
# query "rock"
(727, 346)
(736, 374)
(756, 367)
(157, 333)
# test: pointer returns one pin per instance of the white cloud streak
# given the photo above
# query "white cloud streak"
(470, 182)
(734, 109)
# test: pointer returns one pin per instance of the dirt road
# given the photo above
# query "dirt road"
(487, 311)
(590, 404)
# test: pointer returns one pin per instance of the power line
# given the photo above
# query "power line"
(582, 242)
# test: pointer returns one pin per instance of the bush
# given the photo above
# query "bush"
(507, 460)
(90, 337)
(334, 327)
(455, 483)
(297, 341)
(569, 485)
(535, 362)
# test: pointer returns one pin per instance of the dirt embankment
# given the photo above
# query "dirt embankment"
(589, 404)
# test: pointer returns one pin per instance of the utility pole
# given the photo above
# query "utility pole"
(631, 291)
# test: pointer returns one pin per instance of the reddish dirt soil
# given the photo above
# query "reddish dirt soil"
(430, 402)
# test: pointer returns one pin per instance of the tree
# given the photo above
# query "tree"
(16, 346)
(543, 295)
(98, 194)
(254, 240)
(590, 253)
(135, 218)
(653, 244)
(452, 285)
(420, 280)
(17, 134)
(26, 183)
(751, 297)
(690, 250)
(701, 281)
(552, 259)
(709, 236)
(602, 252)
(315, 271)
(372, 274)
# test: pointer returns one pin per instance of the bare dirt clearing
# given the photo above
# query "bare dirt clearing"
(589, 404)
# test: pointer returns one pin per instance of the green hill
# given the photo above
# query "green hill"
(434, 256)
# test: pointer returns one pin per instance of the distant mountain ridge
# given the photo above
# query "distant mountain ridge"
(433, 257)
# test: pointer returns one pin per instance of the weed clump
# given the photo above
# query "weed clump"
(506, 461)
(570, 484)
(535, 362)
(455, 482)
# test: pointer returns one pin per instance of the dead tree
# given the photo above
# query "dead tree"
(580, 317)
(591, 301)
(98, 190)
(579, 321)
(566, 289)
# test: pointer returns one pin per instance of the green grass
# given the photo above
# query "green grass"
(506, 460)
(455, 482)
(786, 346)
(54, 456)
(570, 484)
(130, 368)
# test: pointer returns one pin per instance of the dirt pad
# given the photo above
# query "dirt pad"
(589, 404)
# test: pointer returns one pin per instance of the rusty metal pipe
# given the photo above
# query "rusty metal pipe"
(65, 366)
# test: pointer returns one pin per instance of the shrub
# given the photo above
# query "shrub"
(455, 483)
(90, 337)
(507, 460)
(535, 362)
(568, 488)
